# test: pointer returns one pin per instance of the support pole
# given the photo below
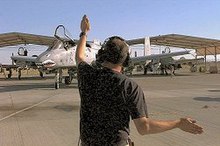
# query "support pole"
(147, 48)
(196, 56)
(216, 64)
(205, 61)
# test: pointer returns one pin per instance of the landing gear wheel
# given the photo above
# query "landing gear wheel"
(19, 77)
(56, 85)
(67, 81)
(9, 76)
(41, 75)
(19, 74)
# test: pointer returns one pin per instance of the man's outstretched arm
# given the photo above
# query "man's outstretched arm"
(80, 50)
(148, 126)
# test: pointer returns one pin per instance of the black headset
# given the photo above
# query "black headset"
(104, 53)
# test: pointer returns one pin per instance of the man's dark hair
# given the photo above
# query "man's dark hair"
(114, 50)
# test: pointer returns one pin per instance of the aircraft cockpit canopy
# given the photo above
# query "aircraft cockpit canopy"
(57, 45)
(62, 34)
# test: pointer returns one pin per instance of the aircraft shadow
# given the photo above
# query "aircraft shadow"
(36, 86)
(26, 78)
(156, 75)
(207, 99)
(214, 90)
(67, 108)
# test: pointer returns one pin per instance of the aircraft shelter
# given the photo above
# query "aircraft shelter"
(16, 38)
(202, 46)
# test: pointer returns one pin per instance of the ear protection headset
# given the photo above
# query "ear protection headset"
(110, 52)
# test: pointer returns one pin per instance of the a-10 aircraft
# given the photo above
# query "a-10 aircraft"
(61, 53)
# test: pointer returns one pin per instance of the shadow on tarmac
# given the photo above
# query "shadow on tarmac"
(26, 78)
(207, 99)
(214, 90)
(67, 108)
(157, 75)
(36, 86)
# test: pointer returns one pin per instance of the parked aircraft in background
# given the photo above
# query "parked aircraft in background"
(169, 64)
(19, 62)
(153, 59)
(61, 53)
(151, 62)
(23, 62)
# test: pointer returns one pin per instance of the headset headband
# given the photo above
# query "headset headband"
(111, 38)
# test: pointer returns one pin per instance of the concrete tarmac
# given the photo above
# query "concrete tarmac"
(33, 113)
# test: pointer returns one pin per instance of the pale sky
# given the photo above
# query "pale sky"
(127, 18)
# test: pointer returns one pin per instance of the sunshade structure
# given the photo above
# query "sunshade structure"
(203, 46)
(16, 38)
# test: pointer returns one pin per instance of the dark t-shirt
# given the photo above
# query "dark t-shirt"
(108, 99)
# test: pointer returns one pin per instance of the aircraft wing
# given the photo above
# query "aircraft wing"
(136, 60)
(190, 61)
(24, 61)
(17, 38)
(23, 58)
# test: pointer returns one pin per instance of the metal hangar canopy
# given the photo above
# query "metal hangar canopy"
(16, 38)
(203, 46)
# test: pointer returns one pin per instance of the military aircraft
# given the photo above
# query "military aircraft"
(151, 62)
(19, 62)
(61, 53)
(23, 62)
(161, 65)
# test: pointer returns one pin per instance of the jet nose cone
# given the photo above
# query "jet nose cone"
(48, 63)
(44, 60)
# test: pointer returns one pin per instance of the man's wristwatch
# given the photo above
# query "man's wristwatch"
(82, 34)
